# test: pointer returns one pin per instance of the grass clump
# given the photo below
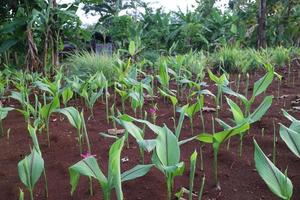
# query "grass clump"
(83, 64)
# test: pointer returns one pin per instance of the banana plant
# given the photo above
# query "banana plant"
(277, 181)
(89, 167)
(216, 139)
(3, 114)
(260, 86)
(45, 113)
(76, 119)
(30, 169)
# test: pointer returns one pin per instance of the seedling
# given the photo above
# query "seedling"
(193, 161)
(46, 112)
(277, 182)
(220, 82)
(76, 119)
(30, 169)
(216, 139)
(3, 114)
(89, 167)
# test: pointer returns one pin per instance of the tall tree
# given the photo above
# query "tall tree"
(262, 17)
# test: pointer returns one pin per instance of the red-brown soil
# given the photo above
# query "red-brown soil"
(238, 177)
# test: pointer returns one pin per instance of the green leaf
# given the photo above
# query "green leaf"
(236, 111)
(7, 45)
(261, 109)
(132, 48)
(4, 112)
(262, 84)
(30, 169)
(220, 137)
(114, 168)
(73, 116)
(32, 132)
(167, 148)
(206, 138)
(67, 95)
(136, 172)
(278, 183)
(86, 167)
(291, 138)
(47, 109)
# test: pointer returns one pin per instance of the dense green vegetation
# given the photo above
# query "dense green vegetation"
(33, 34)
(186, 58)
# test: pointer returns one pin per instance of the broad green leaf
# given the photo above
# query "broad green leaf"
(291, 138)
(213, 77)
(278, 182)
(136, 172)
(4, 112)
(227, 90)
(224, 135)
(30, 169)
(180, 121)
(47, 109)
(206, 138)
(295, 126)
(114, 168)
(167, 148)
(164, 77)
(67, 95)
(33, 136)
(147, 145)
(262, 84)
(86, 167)
(6, 45)
(261, 109)
(236, 111)
(73, 116)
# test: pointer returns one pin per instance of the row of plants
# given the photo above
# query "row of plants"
(41, 97)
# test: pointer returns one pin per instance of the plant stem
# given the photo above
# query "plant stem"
(106, 102)
(201, 188)
(1, 128)
(46, 183)
(169, 185)
(241, 145)
(202, 121)
(228, 144)
(201, 158)
(48, 133)
(91, 186)
(31, 195)
(192, 125)
(274, 143)
(215, 168)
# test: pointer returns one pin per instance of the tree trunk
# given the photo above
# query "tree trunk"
(262, 16)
